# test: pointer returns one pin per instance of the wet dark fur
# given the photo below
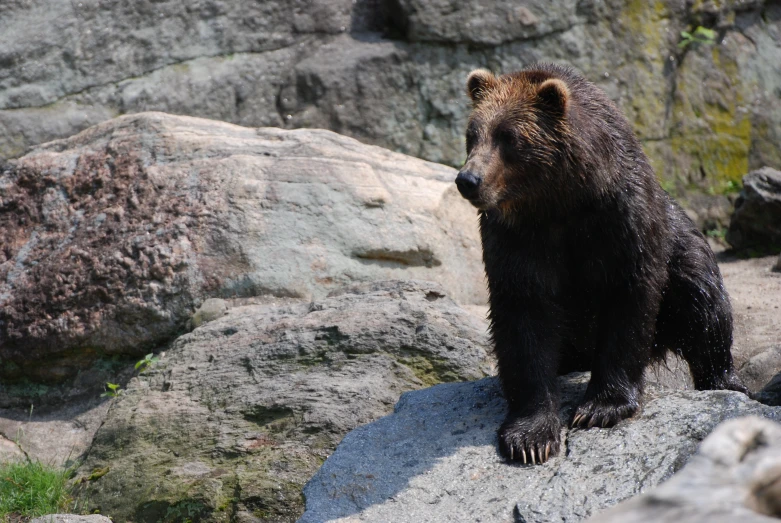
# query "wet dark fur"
(596, 269)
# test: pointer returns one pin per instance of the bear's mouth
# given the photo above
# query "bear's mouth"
(479, 205)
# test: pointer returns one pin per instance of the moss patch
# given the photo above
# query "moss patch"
(428, 369)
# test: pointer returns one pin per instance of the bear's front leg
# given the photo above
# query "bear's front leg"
(527, 350)
(625, 335)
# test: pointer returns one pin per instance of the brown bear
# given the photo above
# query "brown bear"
(591, 265)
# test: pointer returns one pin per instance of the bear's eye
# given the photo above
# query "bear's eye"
(505, 138)
(471, 137)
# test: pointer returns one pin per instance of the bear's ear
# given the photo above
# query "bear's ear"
(553, 95)
(478, 83)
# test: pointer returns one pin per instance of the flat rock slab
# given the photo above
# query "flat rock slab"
(435, 459)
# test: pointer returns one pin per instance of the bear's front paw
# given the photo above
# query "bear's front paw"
(603, 412)
(531, 439)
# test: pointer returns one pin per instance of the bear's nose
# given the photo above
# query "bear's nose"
(468, 184)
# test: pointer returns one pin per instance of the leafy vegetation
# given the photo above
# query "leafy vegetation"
(146, 363)
(701, 35)
(719, 233)
(30, 489)
(113, 391)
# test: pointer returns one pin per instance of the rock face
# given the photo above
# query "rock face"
(435, 458)
(391, 72)
(110, 239)
(240, 413)
(756, 221)
(735, 476)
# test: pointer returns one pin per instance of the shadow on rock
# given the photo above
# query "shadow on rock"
(436, 455)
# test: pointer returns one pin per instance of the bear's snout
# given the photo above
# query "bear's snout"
(468, 184)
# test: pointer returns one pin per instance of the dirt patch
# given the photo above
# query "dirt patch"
(755, 291)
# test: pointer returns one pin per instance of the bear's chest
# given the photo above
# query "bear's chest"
(570, 260)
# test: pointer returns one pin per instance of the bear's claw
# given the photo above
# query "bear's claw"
(602, 413)
(530, 439)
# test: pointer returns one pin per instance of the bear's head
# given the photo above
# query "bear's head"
(517, 140)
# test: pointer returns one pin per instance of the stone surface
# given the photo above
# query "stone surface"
(71, 518)
(735, 476)
(9, 450)
(435, 458)
(111, 239)
(210, 310)
(756, 221)
(771, 393)
(485, 23)
(55, 436)
(238, 414)
(391, 72)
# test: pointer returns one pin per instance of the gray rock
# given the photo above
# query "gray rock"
(771, 393)
(71, 518)
(760, 369)
(10, 451)
(756, 221)
(113, 237)
(57, 437)
(484, 23)
(735, 476)
(210, 310)
(240, 413)
(435, 459)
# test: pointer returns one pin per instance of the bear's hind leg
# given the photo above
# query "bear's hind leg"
(695, 319)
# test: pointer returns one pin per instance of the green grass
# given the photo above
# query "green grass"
(32, 489)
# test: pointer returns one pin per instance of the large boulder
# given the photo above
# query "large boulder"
(435, 458)
(238, 414)
(756, 221)
(111, 239)
(735, 476)
(391, 72)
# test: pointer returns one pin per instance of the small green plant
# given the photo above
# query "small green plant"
(719, 233)
(146, 364)
(113, 391)
(30, 489)
(727, 187)
(731, 186)
(701, 35)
